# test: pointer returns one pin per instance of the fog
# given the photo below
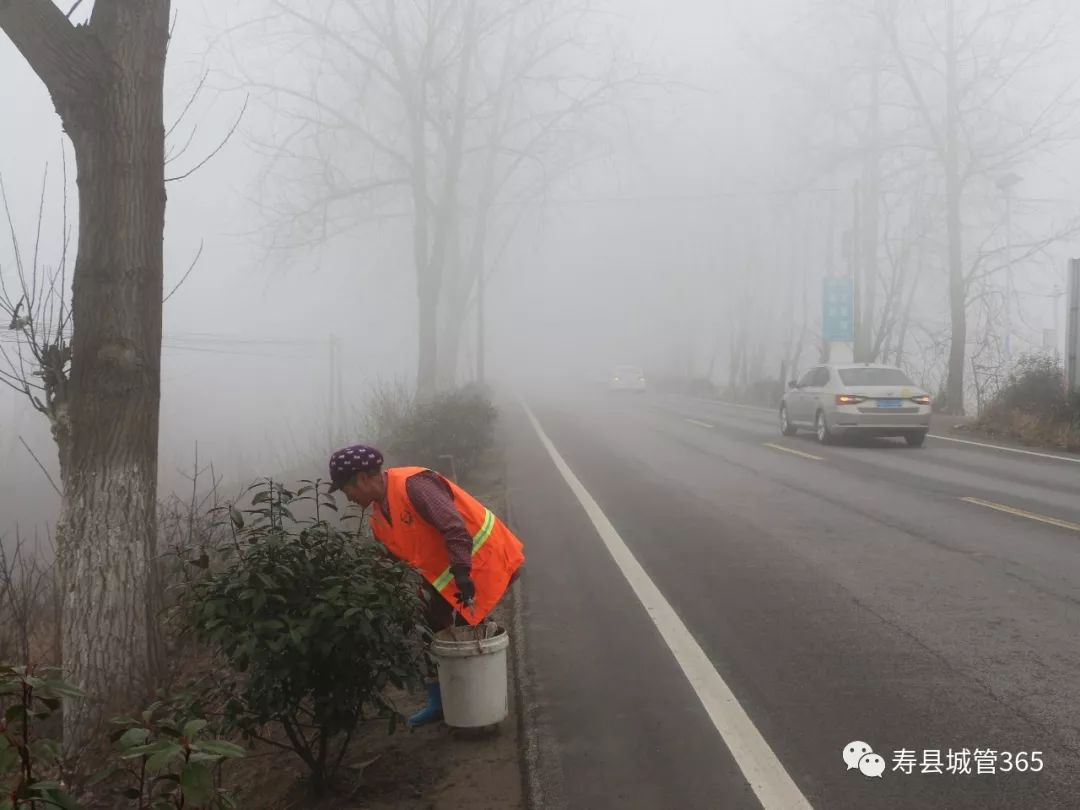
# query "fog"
(698, 209)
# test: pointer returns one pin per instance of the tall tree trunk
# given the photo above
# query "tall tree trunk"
(106, 80)
(108, 551)
(451, 304)
(954, 386)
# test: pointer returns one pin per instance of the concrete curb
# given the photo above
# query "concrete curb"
(541, 771)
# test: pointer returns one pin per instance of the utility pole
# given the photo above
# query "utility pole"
(855, 259)
(1072, 326)
(1007, 183)
(1058, 294)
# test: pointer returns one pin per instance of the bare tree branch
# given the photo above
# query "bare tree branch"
(220, 146)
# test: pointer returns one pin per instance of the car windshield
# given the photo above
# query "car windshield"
(874, 376)
(628, 371)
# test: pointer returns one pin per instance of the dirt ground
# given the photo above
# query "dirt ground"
(430, 768)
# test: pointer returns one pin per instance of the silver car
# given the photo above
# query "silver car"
(627, 378)
(865, 399)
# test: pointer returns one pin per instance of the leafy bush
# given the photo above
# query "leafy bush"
(1034, 407)
(448, 432)
(165, 759)
(1035, 384)
(315, 624)
(29, 699)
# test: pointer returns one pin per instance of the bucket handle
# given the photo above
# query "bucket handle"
(476, 633)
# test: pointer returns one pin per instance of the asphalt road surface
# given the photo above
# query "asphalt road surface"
(714, 612)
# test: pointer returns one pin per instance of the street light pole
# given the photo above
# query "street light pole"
(1007, 183)
(1008, 277)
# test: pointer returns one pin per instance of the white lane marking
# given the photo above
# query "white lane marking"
(1012, 510)
(1005, 449)
(728, 404)
(793, 451)
(700, 424)
(767, 776)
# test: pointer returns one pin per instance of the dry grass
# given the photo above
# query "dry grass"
(1032, 429)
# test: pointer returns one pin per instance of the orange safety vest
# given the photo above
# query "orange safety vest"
(496, 552)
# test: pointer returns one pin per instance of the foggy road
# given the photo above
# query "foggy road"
(919, 600)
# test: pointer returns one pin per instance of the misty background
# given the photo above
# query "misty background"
(687, 232)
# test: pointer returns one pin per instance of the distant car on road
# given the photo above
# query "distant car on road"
(866, 399)
(627, 378)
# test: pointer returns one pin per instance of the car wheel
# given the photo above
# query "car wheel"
(821, 428)
(786, 427)
(916, 439)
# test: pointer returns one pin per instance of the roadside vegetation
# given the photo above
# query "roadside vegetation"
(1033, 407)
(295, 644)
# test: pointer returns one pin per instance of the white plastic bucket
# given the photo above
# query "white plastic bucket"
(472, 678)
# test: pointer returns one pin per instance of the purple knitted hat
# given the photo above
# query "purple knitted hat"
(348, 461)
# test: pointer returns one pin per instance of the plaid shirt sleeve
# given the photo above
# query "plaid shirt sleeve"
(434, 501)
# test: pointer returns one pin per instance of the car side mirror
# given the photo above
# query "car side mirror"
(792, 384)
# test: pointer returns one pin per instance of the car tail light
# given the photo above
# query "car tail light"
(849, 399)
(922, 399)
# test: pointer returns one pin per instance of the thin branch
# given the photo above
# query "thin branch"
(42, 466)
(220, 146)
(190, 101)
(194, 262)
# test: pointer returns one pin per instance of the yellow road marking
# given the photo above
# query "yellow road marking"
(783, 449)
(1012, 510)
(700, 424)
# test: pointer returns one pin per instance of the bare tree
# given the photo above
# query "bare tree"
(105, 77)
(964, 69)
(464, 111)
(36, 348)
(28, 593)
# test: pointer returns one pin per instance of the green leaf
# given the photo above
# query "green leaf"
(66, 690)
(200, 756)
(133, 737)
(103, 775)
(164, 758)
(193, 727)
(149, 749)
(65, 801)
(14, 713)
(197, 783)
(221, 748)
(237, 518)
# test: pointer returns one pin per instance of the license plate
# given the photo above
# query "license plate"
(888, 403)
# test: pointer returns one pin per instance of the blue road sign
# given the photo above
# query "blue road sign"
(837, 302)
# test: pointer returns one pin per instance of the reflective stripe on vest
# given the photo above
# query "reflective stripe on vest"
(478, 541)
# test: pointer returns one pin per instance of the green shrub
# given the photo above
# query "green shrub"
(448, 432)
(165, 759)
(1034, 407)
(314, 623)
(1036, 384)
(28, 699)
